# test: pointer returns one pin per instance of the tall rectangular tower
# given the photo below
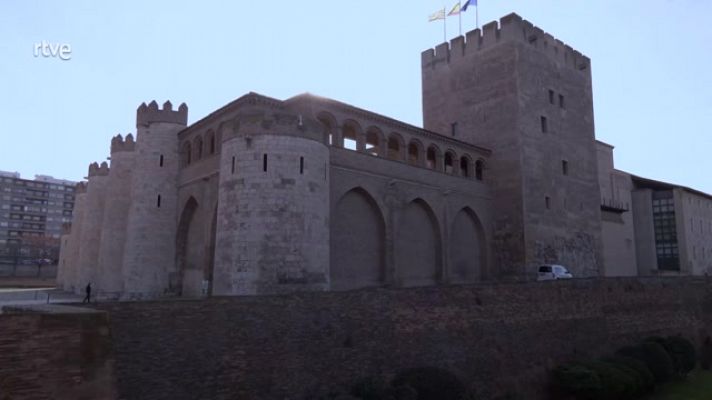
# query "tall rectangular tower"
(527, 96)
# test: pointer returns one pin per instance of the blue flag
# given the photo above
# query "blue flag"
(469, 3)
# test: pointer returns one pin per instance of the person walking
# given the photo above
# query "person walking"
(87, 298)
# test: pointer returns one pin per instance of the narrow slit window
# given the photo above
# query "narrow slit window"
(233, 165)
(564, 167)
(453, 129)
(264, 162)
(160, 162)
(544, 124)
(158, 201)
(547, 202)
(301, 165)
(551, 96)
(561, 101)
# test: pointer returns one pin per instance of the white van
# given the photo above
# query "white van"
(549, 272)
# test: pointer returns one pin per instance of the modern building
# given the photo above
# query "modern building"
(651, 227)
(271, 196)
(39, 208)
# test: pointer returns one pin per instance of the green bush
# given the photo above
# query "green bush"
(706, 354)
(615, 383)
(655, 358)
(683, 354)
(645, 377)
(369, 388)
(431, 383)
(577, 380)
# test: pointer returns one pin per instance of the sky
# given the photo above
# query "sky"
(650, 64)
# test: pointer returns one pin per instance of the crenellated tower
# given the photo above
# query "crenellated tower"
(273, 207)
(149, 253)
(527, 96)
(90, 234)
(116, 210)
(69, 246)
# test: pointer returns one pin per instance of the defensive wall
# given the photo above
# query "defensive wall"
(498, 338)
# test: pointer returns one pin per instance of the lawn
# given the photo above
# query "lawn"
(697, 386)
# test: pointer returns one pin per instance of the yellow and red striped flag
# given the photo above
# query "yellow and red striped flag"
(455, 10)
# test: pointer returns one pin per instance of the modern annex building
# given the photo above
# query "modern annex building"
(270, 196)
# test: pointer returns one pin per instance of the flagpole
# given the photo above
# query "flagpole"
(444, 25)
(477, 16)
(459, 17)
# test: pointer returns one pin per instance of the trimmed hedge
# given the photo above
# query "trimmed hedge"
(631, 373)
(431, 383)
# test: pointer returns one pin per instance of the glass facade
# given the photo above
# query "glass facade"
(665, 231)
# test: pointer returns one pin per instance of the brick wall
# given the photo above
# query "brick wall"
(496, 338)
(62, 354)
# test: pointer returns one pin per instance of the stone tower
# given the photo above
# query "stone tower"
(149, 253)
(527, 96)
(113, 229)
(70, 246)
(273, 207)
(90, 234)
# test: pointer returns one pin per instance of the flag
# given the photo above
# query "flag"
(436, 16)
(469, 3)
(455, 10)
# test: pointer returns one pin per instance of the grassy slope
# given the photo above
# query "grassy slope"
(697, 386)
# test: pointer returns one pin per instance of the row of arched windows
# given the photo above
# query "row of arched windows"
(191, 152)
(349, 135)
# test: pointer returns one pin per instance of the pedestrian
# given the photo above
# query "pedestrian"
(87, 299)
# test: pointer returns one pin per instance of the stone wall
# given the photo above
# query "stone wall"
(58, 353)
(498, 338)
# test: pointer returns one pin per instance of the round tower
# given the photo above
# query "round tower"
(116, 211)
(90, 237)
(69, 259)
(149, 253)
(273, 208)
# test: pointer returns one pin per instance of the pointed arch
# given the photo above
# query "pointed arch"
(210, 141)
(467, 247)
(418, 246)
(184, 248)
(186, 154)
(357, 242)
(198, 148)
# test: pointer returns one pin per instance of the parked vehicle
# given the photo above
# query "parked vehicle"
(550, 272)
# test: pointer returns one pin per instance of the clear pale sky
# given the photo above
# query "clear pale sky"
(650, 59)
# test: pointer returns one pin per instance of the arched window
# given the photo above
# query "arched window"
(186, 154)
(449, 163)
(198, 148)
(479, 169)
(431, 157)
(395, 147)
(210, 138)
(330, 128)
(465, 166)
(413, 153)
(350, 134)
(373, 141)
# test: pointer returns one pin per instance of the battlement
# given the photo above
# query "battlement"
(98, 170)
(80, 187)
(120, 144)
(146, 114)
(509, 28)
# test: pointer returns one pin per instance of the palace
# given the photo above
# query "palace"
(272, 196)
